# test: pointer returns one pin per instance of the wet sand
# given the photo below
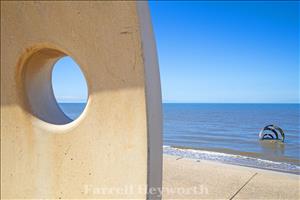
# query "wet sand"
(200, 179)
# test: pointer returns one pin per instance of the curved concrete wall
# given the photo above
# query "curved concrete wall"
(116, 143)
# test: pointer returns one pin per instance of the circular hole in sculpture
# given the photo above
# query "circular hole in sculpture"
(55, 87)
(69, 87)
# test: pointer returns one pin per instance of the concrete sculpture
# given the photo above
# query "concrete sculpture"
(116, 143)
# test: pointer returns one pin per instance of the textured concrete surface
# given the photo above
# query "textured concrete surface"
(198, 179)
(116, 142)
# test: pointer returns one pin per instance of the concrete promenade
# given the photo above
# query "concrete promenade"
(198, 179)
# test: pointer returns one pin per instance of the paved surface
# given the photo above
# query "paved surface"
(197, 179)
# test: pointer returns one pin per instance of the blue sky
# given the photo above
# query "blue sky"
(68, 82)
(228, 51)
(216, 52)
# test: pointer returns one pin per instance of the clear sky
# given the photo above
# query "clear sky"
(215, 52)
(68, 82)
(228, 51)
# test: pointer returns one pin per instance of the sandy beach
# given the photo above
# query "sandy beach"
(200, 179)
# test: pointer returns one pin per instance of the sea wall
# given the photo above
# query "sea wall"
(116, 143)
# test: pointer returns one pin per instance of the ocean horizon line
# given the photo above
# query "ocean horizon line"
(230, 103)
(205, 102)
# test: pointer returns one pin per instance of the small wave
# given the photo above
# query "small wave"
(232, 159)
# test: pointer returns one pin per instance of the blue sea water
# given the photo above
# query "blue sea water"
(72, 110)
(228, 133)
(197, 130)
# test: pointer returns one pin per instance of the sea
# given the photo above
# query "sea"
(227, 133)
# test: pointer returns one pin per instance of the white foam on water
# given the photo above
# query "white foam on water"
(232, 159)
